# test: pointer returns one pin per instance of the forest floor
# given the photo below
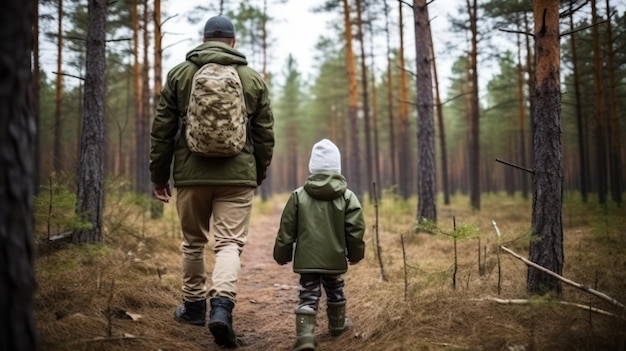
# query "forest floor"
(121, 295)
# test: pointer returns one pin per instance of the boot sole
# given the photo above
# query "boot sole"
(198, 323)
(305, 347)
(224, 336)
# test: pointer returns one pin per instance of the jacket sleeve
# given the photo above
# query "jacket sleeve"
(354, 228)
(261, 120)
(287, 232)
(164, 129)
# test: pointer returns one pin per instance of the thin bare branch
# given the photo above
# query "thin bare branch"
(176, 43)
(516, 32)
(119, 39)
(566, 303)
(406, 3)
(167, 19)
(565, 280)
(69, 75)
(515, 166)
(583, 28)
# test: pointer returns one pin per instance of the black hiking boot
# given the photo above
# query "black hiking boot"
(192, 312)
(221, 322)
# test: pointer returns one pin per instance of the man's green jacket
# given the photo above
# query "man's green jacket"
(248, 168)
(324, 220)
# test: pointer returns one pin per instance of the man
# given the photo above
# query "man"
(216, 188)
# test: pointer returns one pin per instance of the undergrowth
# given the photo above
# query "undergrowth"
(124, 290)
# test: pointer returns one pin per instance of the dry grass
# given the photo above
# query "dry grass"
(87, 295)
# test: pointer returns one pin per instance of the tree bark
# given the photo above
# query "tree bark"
(90, 198)
(615, 145)
(58, 117)
(404, 158)
(156, 206)
(522, 118)
(369, 164)
(445, 177)
(377, 198)
(354, 173)
(143, 151)
(18, 137)
(546, 248)
(426, 189)
(474, 130)
(137, 93)
(36, 97)
(530, 66)
(583, 151)
(600, 110)
(390, 105)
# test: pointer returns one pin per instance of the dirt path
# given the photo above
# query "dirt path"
(263, 317)
(268, 293)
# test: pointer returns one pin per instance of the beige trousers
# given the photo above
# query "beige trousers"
(229, 208)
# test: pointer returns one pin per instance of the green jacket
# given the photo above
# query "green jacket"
(324, 220)
(248, 168)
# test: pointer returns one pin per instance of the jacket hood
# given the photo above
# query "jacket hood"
(325, 186)
(216, 52)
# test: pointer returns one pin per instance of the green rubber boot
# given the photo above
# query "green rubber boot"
(337, 320)
(305, 327)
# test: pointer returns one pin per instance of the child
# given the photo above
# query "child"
(324, 220)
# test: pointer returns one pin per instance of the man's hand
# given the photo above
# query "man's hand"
(162, 192)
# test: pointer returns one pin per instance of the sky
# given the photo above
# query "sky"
(295, 30)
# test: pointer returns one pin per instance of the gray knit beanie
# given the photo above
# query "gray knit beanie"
(325, 157)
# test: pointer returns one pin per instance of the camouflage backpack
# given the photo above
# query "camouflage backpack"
(215, 124)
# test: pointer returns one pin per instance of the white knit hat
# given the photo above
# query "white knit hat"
(325, 157)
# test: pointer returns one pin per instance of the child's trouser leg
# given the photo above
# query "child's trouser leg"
(310, 293)
(336, 309)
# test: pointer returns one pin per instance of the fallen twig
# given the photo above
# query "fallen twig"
(383, 276)
(114, 338)
(498, 257)
(445, 344)
(565, 280)
(566, 303)
(406, 281)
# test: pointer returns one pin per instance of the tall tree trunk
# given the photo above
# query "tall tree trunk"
(445, 178)
(615, 160)
(353, 105)
(58, 117)
(137, 94)
(292, 153)
(474, 131)
(18, 137)
(156, 208)
(530, 67)
(143, 151)
(36, 90)
(158, 51)
(521, 108)
(583, 151)
(369, 174)
(426, 189)
(600, 109)
(264, 42)
(390, 105)
(546, 249)
(265, 189)
(90, 198)
(376, 173)
(403, 134)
